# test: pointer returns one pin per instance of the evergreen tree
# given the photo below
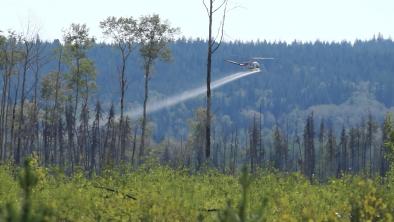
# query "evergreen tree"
(332, 153)
(385, 149)
(280, 149)
(254, 140)
(343, 144)
(309, 148)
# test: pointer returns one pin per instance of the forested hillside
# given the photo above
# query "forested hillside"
(346, 78)
(343, 78)
(317, 107)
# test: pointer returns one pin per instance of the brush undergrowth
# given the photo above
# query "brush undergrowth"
(158, 193)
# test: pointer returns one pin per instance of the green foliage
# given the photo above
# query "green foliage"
(155, 35)
(48, 87)
(81, 75)
(29, 211)
(121, 30)
(3, 40)
(229, 214)
(367, 205)
(163, 194)
(77, 40)
(389, 143)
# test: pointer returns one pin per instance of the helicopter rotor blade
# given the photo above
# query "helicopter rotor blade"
(234, 62)
(263, 58)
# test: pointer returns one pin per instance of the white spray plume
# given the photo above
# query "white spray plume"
(186, 95)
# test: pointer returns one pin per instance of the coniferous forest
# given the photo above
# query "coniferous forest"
(309, 138)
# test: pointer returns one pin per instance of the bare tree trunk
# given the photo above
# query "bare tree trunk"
(4, 114)
(224, 152)
(7, 111)
(134, 144)
(106, 152)
(23, 97)
(59, 137)
(261, 145)
(143, 124)
(232, 167)
(70, 135)
(210, 11)
(236, 145)
(45, 136)
(209, 67)
(122, 91)
(76, 91)
(5, 102)
(34, 140)
(56, 115)
(95, 138)
(17, 151)
(75, 147)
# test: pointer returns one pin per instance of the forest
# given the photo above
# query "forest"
(314, 126)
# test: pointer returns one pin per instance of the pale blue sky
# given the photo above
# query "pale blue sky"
(305, 20)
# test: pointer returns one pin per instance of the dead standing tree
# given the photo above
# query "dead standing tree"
(28, 42)
(213, 45)
(10, 57)
(39, 60)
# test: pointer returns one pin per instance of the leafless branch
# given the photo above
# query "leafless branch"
(220, 6)
(219, 32)
(115, 191)
(206, 7)
(221, 28)
(236, 7)
(209, 210)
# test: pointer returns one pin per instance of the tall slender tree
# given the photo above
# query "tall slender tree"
(10, 56)
(321, 162)
(96, 138)
(331, 150)
(254, 140)
(81, 75)
(77, 42)
(353, 149)
(155, 35)
(343, 157)
(39, 60)
(280, 149)
(50, 102)
(108, 151)
(27, 42)
(371, 130)
(384, 150)
(389, 143)
(309, 151)
(5, 63)
(123, 32)
(57, 106)
(213, 45)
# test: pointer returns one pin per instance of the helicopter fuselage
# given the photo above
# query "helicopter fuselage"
(253, 65)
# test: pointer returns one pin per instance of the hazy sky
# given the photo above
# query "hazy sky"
(250, 19)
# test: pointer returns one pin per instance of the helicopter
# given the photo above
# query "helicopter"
(252, 64)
